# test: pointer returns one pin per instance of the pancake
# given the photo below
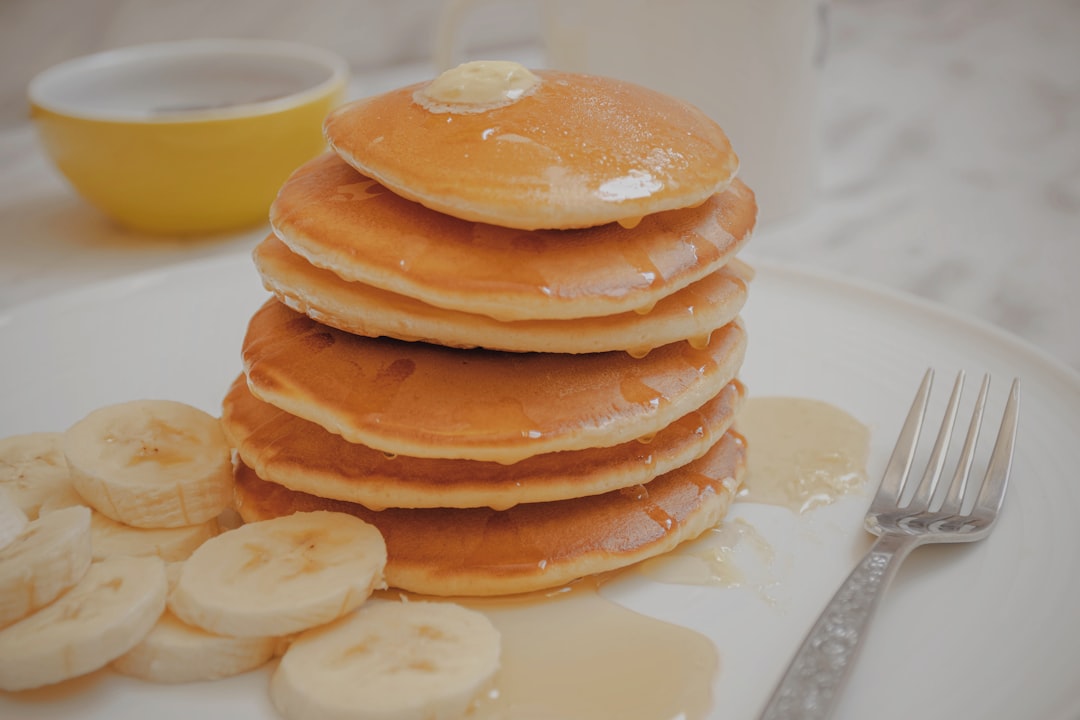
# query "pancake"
(300, 455)
(479, 551)
(424, 400)
(342, 221)
(573, 151)
(693, 312)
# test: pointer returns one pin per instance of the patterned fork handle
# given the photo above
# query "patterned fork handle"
(811, 685)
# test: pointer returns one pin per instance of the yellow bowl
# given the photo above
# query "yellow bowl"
(186, 137)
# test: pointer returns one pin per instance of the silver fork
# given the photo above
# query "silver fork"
(903, 516)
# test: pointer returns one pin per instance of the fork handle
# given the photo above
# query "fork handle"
(811, 685)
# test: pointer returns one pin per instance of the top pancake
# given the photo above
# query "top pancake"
(576, 151)
(342, 221)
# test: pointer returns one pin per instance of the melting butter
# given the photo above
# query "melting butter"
(803, 453)
(477, 86)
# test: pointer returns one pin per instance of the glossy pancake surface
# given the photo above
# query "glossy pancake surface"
(424, 400)
(479, 551)
(693, 312)
(577, 151)
(300, 455)
(342, 221)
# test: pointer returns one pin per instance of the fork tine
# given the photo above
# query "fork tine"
(920, 500)
(958, 486)
(992, 493)
(896, 472)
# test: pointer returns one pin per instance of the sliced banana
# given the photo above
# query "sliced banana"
(389, 661)
(12, 519)
(64, 497)
(280, 576)
(50, 556)
(108, 537)
(151, 463)
(175, 652)
(172, 573)
(33, 469)
(170, 544)
(107, 613)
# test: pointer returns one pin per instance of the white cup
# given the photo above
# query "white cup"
(752, 65)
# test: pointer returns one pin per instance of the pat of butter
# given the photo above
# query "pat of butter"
(478, 86)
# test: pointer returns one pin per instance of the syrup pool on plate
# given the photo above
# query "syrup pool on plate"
(802, 454)
(573, 654)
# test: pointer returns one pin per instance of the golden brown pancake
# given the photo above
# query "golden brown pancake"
(342, 221)
(693, 312)
(479, 551)
(425, 400)
(302, 456)
(577, 151)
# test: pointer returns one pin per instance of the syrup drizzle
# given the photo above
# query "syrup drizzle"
(802, 454)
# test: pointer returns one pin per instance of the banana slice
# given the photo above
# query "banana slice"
(64, 497)
(389, 661)
(151, 463)
(49, 556)
(172, 573)
(108, 537)
(280, 576)
(33, 469)
(111, 609)
(12, 519)
(175, 652)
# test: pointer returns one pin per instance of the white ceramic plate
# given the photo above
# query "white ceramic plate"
(987, 631)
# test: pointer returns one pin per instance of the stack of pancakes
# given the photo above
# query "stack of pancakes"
(506, 335)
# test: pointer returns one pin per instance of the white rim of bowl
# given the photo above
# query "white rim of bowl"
(337, 67)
